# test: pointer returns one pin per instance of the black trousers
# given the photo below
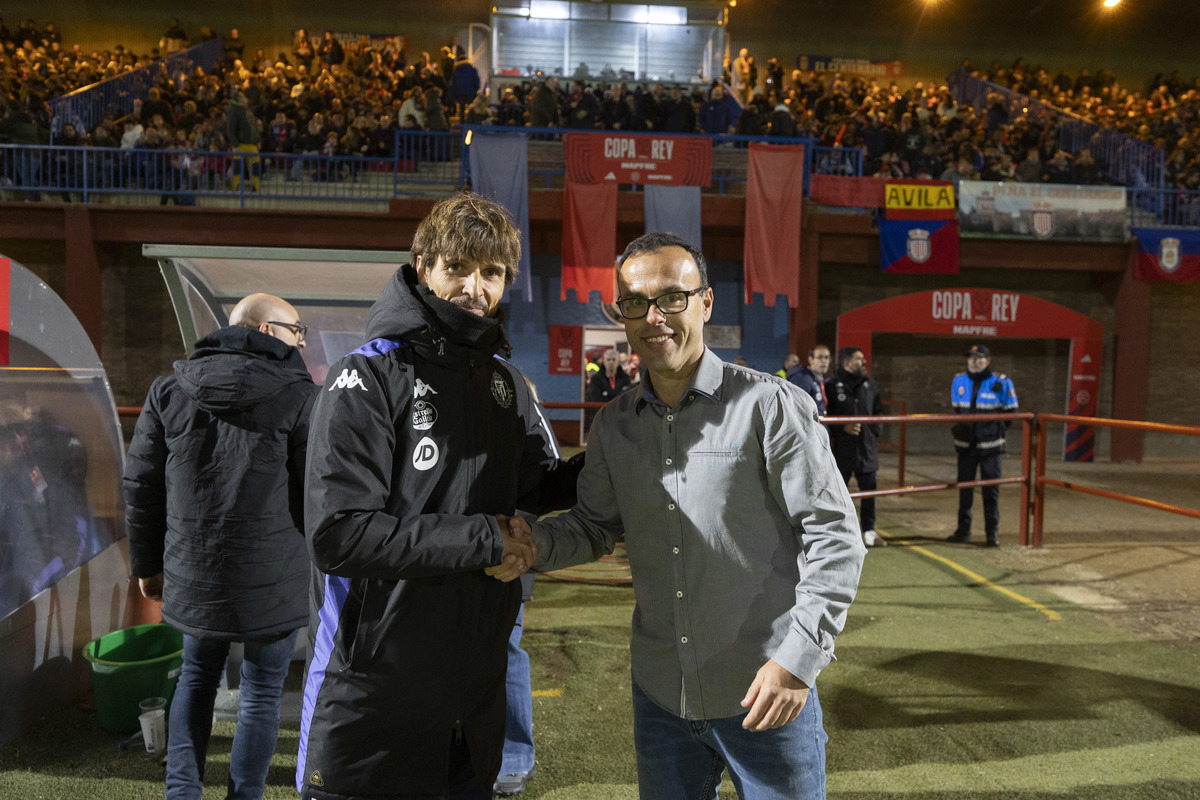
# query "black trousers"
(988, 466)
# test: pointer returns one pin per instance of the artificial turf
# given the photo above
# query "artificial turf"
(944, 687)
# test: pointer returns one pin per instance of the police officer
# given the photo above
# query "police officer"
(980, 445)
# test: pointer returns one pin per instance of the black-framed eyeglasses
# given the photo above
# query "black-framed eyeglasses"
(669, 303)
(294, 327)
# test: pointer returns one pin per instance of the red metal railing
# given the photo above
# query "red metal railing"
(1023, 479)
(1040, 481)
(1032, 479)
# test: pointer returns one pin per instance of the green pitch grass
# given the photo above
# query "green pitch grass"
(952, 681)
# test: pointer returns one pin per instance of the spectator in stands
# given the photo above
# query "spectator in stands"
(302, 49)
(717, 115)
(750, 121)
(678, 113)
(233, 47)
(782, 122)
(464, 85)
(583, 109)
(241, 128)
(174, 39)
(543, 108)
(153, 105)
(742, 81)
(1031, 170)
(852, 393)
(435, 113)
(330, 51)
(1085, 171)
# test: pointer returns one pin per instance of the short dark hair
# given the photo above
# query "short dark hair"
(813, 350)
(661, 240)
(846, 353)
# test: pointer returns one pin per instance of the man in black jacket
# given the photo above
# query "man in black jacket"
(850, 393)
(425, 442)
(213, 494)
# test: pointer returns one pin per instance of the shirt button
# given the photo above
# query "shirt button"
(668, 462)
(679, 594)
(670, 506)
(670, 417)
(683, 639)
(675, 550)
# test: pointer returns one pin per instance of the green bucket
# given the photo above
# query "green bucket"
(130, 665)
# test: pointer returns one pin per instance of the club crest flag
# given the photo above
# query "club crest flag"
(1167, 254)
(919, 246)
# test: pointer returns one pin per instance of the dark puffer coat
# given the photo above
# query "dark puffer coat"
(214, 488)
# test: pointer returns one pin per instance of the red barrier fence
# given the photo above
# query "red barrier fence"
(1033, 480)
(1040, 481)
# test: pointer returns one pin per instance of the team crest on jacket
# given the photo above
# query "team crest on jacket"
(424, 415)
(348, 380)
(501, 390)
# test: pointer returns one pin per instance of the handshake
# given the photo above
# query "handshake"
(519, 549)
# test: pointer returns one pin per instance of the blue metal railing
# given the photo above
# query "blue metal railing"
(425, 164)
(1123, 159)
(85, 107)
(546, 159)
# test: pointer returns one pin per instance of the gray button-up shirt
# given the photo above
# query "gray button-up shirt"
(741, 535)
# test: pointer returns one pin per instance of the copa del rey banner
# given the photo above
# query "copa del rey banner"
(1167, 254)
(645, 158)
(918, 233)
(566, 349)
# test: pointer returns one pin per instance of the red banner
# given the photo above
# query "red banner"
(589, 244)
(5, 278)
(838, 190)
(638, 158)
(774, 201)
(566, 349)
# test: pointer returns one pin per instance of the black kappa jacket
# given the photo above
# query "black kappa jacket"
(419, 438)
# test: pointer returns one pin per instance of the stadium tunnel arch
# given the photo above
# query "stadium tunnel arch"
(981, 314)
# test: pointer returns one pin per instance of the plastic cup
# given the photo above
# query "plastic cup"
(153, 718)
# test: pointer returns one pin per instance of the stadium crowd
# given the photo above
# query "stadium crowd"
(329, 97)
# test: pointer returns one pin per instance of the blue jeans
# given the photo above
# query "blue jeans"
(518, 722)
(682, 759)
(264, 667)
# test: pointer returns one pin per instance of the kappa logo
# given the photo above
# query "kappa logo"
(421, 388)
(501, 391)
(425, 456)
(348, 380)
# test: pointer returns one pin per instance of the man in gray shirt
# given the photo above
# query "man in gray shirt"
(741, 538)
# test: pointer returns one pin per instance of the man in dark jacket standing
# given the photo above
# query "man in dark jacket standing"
(424, 443)
(214, 498)
(851, 393)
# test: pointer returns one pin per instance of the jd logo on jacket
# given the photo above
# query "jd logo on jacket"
(425, 456)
